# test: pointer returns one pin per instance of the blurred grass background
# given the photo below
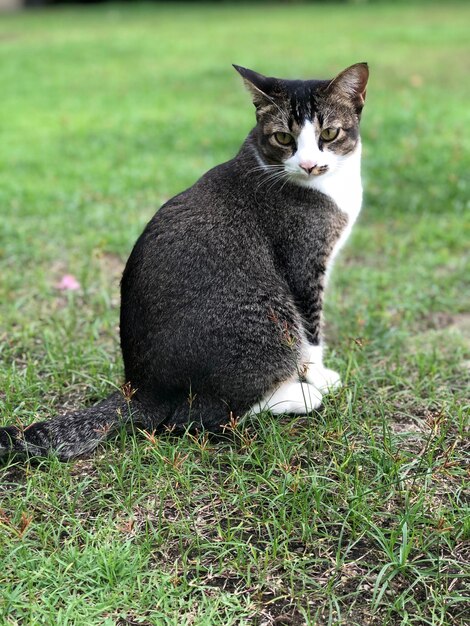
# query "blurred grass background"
(110, 110)
(107, 111)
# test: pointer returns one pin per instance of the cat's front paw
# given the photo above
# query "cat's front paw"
(322, 378)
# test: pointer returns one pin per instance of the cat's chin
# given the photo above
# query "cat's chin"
(304, 181)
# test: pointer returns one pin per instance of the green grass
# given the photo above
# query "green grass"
(354, 516)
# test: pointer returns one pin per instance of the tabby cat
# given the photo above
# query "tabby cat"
(222, 294)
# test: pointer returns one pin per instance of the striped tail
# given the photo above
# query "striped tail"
(78, 432)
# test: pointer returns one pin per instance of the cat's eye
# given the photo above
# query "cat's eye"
(328, 134)
(284, 139)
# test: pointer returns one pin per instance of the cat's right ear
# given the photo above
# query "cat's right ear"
(351, 83)
(261, 87)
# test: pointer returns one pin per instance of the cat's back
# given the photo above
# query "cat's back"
(203, 266)
(201, 236)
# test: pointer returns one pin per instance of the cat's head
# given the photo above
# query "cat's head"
(307, 128)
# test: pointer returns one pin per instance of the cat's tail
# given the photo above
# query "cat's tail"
(78, 432)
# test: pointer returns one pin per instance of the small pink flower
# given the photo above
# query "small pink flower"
(68, 282)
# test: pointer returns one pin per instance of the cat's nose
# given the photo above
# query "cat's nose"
(308, 166)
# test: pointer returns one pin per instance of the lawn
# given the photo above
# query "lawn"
(355, 515)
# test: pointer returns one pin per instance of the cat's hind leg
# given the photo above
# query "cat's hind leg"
(198, 412)
(205, 412)
(291, 396)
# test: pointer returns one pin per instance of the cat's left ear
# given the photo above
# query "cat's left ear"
(261, 87)
(352, 83)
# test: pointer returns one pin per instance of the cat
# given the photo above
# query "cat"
(221, 298)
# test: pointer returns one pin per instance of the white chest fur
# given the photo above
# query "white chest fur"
(343, 185)
(341, 182)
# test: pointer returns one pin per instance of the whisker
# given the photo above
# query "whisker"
(284, 184)
(266, 182)
(262, 168)
(278, 179)
(272, 176)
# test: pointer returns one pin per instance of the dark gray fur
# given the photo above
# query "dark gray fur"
(220, 290)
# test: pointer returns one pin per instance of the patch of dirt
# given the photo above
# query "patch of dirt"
(445, 335)
(13, 478)
(459, 322)
(437, 320)
(110, 264)
(131, 620)
(405, 426)
(278, 612)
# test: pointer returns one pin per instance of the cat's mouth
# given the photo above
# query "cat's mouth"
(314, 172)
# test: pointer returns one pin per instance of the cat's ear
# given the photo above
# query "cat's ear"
(261, 87)
(352, 83)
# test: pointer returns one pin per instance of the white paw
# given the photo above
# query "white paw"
(290, 397)
(322, 378)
